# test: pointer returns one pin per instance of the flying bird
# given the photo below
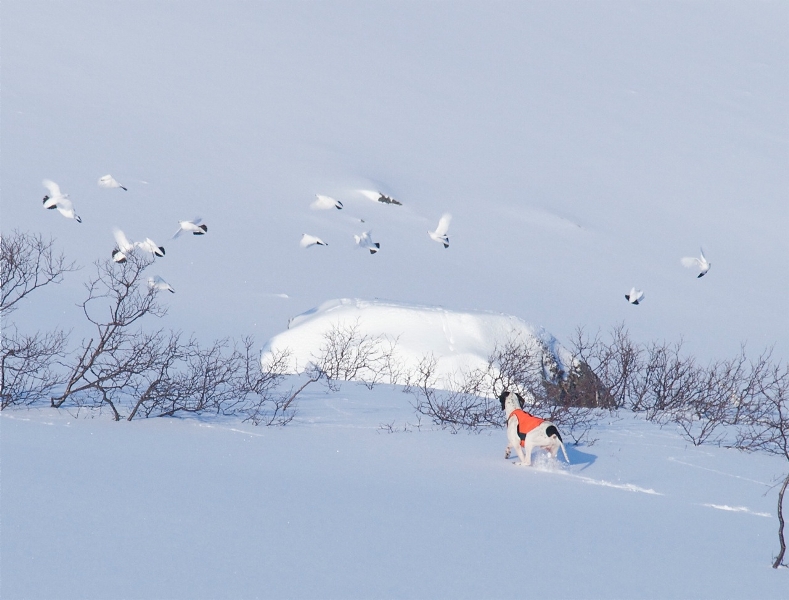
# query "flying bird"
(325, 203)
(157, 283)
(635, 296)
(108, 181)
(700, 263)
(123, 246)
(308, 240)
(380, 197)
(58, 200)
(388, 200)
(365, 241)
(194, 226)
(150, 246)
(440, 234)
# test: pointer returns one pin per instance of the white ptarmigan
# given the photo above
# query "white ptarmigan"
(635, 296)
(150, 246)
(58, 200)
(701, 263)
(325, 203)
(123, 246)
(440, 234)
(308, 240)
(108, 181)
(365, 241)
(194, 227)
(157, 283)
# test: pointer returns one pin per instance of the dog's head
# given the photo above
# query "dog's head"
(509, 399)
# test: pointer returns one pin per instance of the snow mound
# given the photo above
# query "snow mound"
(459, 341)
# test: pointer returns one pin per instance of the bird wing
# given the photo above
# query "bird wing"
(364, 240)
(306, 240)
(370, 195)
(64, 204)
(703, 260)
(443, 225)
(148, 245)
(107, 181)
(196, 221)
(690, 262)
(54, 188)
(323, 202)
(177, 233)
(123, 242)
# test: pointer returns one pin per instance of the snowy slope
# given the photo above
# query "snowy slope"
(334, 507)
(582, 148)
(460, 341)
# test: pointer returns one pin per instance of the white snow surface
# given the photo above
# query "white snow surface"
(460, 341)
(334, 506)
(581, 147)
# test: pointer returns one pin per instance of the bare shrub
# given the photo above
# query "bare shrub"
(346, 354)
(616, 365)
(262, 402)
(108, 363)
(517, 366)
(463, 406)
(26, 366)
(222, 377)
(523, 366)
(765, 427)
(27, 262)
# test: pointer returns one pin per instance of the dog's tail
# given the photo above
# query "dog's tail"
(561, 443)
(552, 431)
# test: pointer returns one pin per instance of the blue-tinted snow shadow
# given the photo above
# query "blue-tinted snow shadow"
(580, 458)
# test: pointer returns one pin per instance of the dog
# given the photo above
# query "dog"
(526, 432)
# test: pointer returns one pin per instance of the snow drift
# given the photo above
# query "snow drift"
(459, 341)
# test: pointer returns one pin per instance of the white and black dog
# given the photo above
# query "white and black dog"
(526, 432)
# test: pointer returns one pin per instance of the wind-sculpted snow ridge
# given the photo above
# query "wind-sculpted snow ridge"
(459, 341)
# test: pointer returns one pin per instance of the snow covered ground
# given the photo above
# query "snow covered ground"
(582, 149)
(334, 506)
(459, 341)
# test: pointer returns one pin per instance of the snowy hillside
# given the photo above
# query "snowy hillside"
(334, 506)
(460, 341)
(582, 148)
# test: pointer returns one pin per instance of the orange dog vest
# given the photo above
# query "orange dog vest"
(526, 423)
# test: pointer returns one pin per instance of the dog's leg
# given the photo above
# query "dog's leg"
(553, 447)
(525, 453)
(513, 441)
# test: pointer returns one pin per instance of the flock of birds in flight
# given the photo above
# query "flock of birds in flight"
(365, 240)
(55, 199)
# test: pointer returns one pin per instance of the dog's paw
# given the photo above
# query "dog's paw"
(506, 454)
